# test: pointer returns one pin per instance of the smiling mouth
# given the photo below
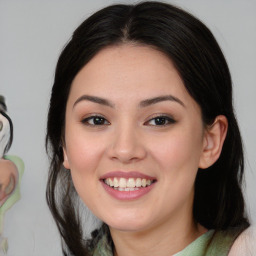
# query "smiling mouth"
(130, 184)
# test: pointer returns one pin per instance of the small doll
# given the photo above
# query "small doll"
(11, 170)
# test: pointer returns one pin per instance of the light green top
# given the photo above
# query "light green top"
(209, 244)
(203, 246)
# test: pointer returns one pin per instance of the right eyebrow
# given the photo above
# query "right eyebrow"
(158, 99)
(94, 99)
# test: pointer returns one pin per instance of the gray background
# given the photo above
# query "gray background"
(32, 34)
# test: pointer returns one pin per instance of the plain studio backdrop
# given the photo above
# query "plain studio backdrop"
(32, 34)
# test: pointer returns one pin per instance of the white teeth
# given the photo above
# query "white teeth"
(138, 182)
(126, 189)
(122, 183)
(116, 183)
(131, 184)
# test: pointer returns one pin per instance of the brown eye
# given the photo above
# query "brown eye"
(161, 121)
(95, 120)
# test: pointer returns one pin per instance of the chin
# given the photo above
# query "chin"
(128, 224)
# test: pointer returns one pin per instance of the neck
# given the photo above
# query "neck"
(163, 240)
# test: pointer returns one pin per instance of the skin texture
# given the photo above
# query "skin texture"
(130, 139)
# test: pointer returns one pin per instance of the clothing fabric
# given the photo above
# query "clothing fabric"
(209, 244)
(212, 243)
(245, 244)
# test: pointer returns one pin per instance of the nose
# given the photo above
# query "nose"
(127, 145)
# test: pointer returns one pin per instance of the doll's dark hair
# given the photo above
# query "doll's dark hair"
(218, 202)
(3, 109)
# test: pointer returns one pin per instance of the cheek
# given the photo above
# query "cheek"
(84, 160)
(85, 154)
(177, 158)
(178, 150)
(83, 151)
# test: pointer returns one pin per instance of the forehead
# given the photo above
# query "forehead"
(127, 70)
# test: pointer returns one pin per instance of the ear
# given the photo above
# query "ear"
(65, 157)
(214, 139)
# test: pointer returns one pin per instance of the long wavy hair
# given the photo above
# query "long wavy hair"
(218, 201)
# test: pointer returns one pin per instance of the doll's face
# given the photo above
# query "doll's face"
(8, 170)
(4, 133)
(8, 179)
(134, 138)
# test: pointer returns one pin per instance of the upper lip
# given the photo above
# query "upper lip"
(122, 174)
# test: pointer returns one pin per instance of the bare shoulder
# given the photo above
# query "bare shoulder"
(245, 244)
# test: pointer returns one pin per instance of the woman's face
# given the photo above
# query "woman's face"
(134, 139)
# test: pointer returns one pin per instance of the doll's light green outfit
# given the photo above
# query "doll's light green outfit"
(209, 244)
(14, 197)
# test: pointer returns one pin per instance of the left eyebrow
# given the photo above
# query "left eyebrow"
(94, 99)
(148, 102)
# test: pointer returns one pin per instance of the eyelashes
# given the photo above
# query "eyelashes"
(95, 120)
(161, 120)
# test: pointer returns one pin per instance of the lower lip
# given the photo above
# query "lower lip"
(127, 195)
